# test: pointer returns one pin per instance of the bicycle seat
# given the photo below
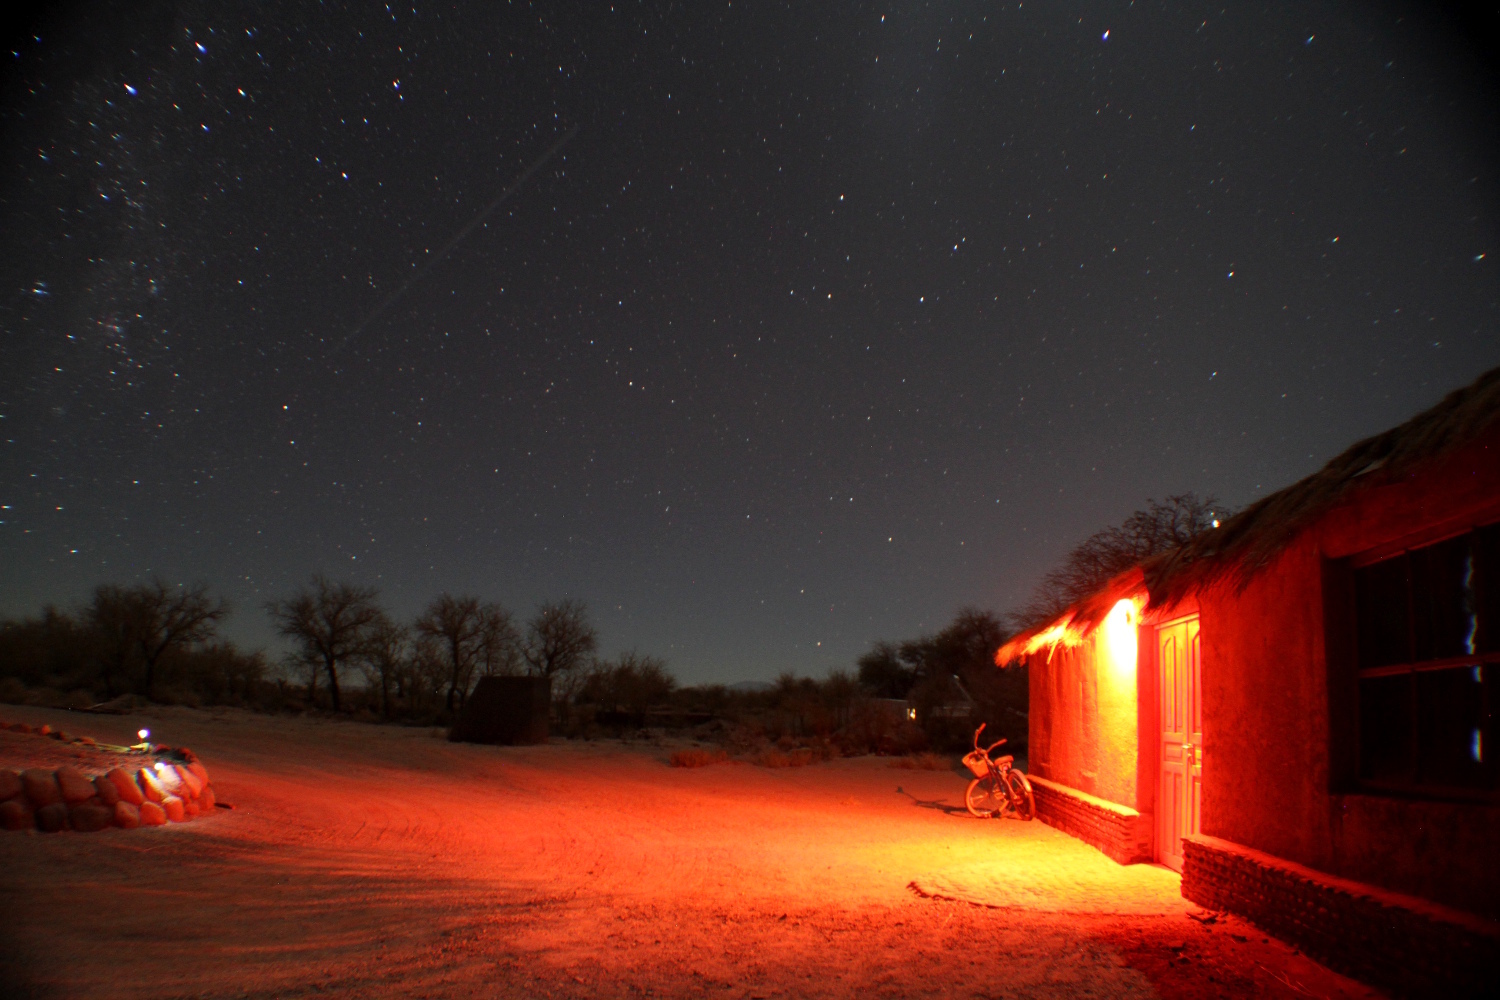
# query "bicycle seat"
(1004, 760)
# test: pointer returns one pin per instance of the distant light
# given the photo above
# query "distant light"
(1104, 37)
(160, 766)
(911, 713)
(130, 90)
(142, 733)
(1216, 522)
(1476, 745)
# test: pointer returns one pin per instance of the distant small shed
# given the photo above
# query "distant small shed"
(506, 710)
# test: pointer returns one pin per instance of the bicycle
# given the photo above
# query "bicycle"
(997, 787)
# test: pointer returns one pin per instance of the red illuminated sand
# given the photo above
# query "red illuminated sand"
(386, 862)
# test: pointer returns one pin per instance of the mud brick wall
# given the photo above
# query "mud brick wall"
(1407, 945)
(1119, 831)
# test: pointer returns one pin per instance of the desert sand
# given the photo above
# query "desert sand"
(380, 861)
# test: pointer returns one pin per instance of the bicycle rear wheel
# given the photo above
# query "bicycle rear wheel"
(986, 797)
(1021, 800)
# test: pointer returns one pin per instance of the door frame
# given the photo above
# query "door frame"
(1151, 708)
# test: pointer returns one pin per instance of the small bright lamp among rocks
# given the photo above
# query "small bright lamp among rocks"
(143, 785)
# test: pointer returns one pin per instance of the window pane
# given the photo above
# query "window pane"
(1487, 584)
(1380, 595)
(1442, 613)
(1452, 728)
(1385, 728)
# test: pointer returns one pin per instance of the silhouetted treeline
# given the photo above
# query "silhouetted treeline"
(949, 678)
(348, 654)
(1158, 527)
(148, 640)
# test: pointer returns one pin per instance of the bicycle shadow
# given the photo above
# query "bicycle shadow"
(941, 805)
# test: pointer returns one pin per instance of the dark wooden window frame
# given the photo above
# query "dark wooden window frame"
(1345, 674)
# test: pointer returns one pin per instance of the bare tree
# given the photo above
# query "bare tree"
(559, 638)
(884, 673)
(462, 626)
(632, 683)
(111, 614)
(151, 620)
(1105, 554)
(422, 676)
(384, 656)
(331, 623)
(499, 643)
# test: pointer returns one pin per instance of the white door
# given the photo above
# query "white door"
(1179, 789)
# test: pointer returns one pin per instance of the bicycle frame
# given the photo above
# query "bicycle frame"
(984, 753)
(997, 773)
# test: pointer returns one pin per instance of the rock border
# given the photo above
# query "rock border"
(174, 788)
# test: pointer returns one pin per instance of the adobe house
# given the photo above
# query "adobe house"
(1297, 709)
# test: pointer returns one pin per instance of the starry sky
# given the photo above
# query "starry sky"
(817, 323)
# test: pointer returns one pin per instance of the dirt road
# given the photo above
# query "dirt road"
(371, 861)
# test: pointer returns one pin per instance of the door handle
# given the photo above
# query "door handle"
(1189, 753)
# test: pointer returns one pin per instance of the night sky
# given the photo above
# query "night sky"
(828, 319)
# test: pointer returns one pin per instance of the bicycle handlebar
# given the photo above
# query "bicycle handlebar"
(992, 746)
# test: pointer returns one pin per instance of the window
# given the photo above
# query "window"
(1428, 651)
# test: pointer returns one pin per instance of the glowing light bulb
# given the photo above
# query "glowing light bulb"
(1120, 635)
(142, 733)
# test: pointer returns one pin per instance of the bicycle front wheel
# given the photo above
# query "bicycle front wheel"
(986, 797)
(1021, 800)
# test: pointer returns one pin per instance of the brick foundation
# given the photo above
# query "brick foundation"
(1118, 831)
(1407, 945)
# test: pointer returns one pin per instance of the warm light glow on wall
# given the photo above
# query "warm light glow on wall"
(1119, 636)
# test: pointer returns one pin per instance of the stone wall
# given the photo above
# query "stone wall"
(172, 786)
(1119, 831)
(1407, 945)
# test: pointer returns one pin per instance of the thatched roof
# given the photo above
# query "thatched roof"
(1077, 623)
(1246, 542)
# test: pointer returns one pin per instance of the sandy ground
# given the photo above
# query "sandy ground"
(369, 861)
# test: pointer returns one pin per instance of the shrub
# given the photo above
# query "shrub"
(922, 762)
(800, 757)
(698, 758)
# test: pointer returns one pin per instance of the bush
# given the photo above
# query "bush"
(923, 762)
(698, 758)
(800, 757)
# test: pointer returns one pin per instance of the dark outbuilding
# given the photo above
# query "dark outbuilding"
(505, 710)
